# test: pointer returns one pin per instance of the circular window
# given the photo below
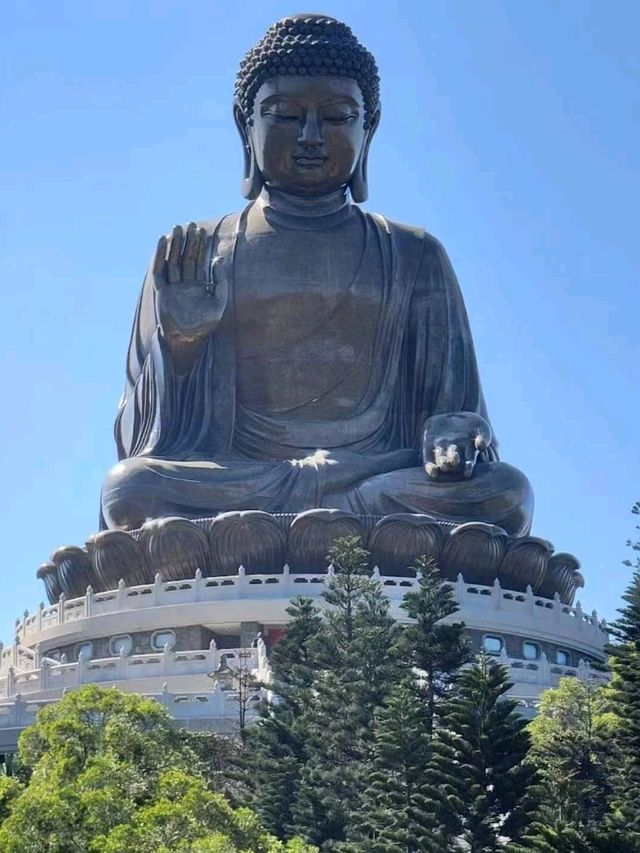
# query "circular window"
(563, 657)
(493, 645)
(163, 638)
(84, 649)
(531, 651)
(121, 645)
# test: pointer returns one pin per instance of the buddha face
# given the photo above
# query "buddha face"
(308, 133)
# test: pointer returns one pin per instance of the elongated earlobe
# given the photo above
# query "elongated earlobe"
(252, 182)
(359, 185)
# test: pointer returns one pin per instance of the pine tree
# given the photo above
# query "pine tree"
(486, 738)
(277, 743)
(625, 701)
(435, 649)
(397, 812)
(356, 668)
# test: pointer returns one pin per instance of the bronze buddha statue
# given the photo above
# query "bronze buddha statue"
(303, 352)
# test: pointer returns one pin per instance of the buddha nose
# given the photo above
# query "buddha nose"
(311, 132)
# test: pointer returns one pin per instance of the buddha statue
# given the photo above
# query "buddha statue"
(304, 353)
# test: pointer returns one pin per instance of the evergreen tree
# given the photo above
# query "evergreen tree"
(572, 751)
(436, 650)
(625, 703)
(487, 739)
(277, 743)
(356, 667)
(397, 814)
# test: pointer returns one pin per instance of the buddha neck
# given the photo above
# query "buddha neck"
(305, 213)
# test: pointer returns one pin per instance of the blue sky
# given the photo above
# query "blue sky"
(510, 131)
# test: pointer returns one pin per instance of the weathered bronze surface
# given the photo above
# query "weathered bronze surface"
(305, 353)
(177, 548)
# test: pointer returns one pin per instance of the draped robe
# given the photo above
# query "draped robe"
(189, 446)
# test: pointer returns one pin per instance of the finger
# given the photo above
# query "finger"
(201, 257)
(158, 263)
(432, 470)
(189, 253)
(482, 441)
(453, 456)
(173, 259)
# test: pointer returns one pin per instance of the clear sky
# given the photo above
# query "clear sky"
(510, 131)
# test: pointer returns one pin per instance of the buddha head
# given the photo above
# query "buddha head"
(307, 105)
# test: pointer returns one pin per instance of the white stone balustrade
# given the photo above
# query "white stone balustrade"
(53, 676)
(220, 704)
(492, 604)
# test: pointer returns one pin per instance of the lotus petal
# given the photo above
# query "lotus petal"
(115, 555)
(253, 539)
(475, 550)
(314, 532)
(398, 540)
(525, 563)
(75, 571)
(48, 573)
(175, 547)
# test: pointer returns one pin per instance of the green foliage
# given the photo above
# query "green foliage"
(276, 749)
(10, 789)
(111, 774)
(486, 739)
(355, 663)
(625, 702)
(574, 754)
(436, 650)
(397, 813)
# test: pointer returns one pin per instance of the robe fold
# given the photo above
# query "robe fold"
(207, 453)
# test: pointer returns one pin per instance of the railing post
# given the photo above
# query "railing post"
(88, 602)
(17, 712)
(14, 653)
(120, 598)
(529, 598)
(11, 682)
(286, 581)
(213, 655)
(61, 603)
(242, 578)
(44, 675)
(197, 585)
(168, 656)
(81, 669)
(579, 614)
(122, 665)
(557, 606)
(157, 588)
(544, 668)
(40, 609)
(37, 656)
(460, 588)
(496, 595)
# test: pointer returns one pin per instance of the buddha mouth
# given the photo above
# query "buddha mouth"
(310, 162)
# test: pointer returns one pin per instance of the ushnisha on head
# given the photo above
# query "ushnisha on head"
(307, 105)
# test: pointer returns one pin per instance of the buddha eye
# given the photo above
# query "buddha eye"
(283, 117)
(340, 119)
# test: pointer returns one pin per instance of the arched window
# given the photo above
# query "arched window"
(160, 639)
(84, 649)
(122, 644)
(492, 644)
(530, 650)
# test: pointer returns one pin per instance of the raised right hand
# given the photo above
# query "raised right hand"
(188, 302)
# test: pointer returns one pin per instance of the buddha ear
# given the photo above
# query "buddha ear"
(358, 185)
(252, 178)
